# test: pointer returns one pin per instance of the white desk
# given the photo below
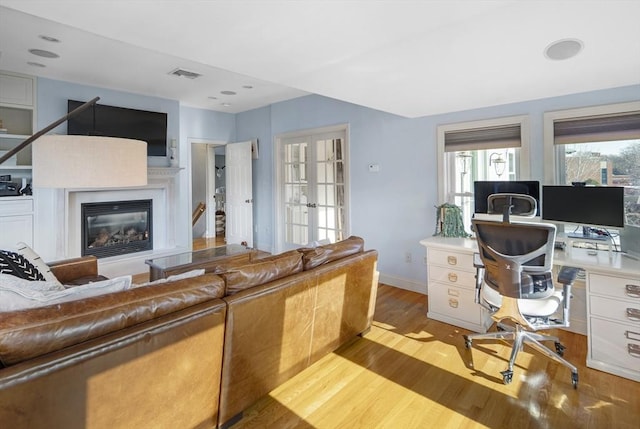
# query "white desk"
(605, 306)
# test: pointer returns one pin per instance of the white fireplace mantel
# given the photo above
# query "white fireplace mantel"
(161, 189)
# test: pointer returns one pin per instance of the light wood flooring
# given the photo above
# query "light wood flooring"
(413, 372)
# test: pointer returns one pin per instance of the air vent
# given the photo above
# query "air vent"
(185, 73)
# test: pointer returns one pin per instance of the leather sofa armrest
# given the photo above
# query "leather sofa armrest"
(68, 270)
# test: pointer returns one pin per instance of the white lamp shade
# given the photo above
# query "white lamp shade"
(61, 161)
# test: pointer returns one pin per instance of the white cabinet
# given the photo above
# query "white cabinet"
(614, 324)
(16, 221)
(17, 119)
(451, 287)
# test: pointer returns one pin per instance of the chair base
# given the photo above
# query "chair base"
(520, 337)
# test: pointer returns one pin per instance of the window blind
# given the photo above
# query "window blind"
(624, 126)
(483, 138)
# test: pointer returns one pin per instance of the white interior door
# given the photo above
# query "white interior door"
(313, 185)
(239, 203)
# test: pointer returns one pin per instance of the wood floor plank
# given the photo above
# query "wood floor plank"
(413, 372)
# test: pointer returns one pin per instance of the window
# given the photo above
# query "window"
(495, 149)
(599, 146)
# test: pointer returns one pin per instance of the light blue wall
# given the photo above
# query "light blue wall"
(392, 209)
(52, 105)
(395, 208)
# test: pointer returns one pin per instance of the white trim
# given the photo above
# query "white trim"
(278, 176)
(524, 167)
(551, 172)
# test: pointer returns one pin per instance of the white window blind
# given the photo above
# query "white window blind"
(483, 138)
(624, 126)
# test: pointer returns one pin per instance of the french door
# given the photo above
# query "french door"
(312, 189)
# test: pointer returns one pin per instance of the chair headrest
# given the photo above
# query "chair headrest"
(521, 204)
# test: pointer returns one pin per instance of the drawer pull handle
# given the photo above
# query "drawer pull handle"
(452, 260)
(453, 303)
(630, 335)
(634, 350)
(453, 277)
(453, 292)
(633, 314)
(632, 290)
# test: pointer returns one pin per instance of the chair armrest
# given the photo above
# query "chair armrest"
(71, 269)
(567, 275)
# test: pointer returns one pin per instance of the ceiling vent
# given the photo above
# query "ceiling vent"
(185, 73)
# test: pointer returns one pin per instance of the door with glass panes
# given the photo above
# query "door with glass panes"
(313, 186)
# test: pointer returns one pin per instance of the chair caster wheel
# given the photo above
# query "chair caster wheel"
(507, 376)
(574, 379)
(560, 349)
(467, 342)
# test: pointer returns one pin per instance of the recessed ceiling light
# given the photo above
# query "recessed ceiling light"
(49, 38)
(563, 49)
(247, 86)
(43, 53)
(228, 92)
(34, 64)
(226, 104)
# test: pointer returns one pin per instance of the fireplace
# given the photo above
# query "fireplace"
(113, 228)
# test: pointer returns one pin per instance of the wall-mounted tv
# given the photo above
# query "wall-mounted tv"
(111, 121)
(483, 188)
(584, 205)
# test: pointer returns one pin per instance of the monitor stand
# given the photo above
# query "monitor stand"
(588, 235)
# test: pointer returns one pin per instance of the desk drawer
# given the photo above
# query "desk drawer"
(454, 302)
(461, 261)
(615, 343)
(627, 312)
(615, 287)
(453, 277)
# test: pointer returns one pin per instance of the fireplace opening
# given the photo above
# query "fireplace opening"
(116, 227)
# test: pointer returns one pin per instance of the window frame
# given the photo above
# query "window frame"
(552, 169)
(446, 170)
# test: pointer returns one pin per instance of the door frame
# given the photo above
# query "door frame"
(278, 178)
(210, 214)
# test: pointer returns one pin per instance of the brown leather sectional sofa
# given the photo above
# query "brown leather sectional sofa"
(191, 353)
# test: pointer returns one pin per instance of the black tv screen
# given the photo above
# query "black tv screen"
(584, 205)
(482, 190)
(111, 121)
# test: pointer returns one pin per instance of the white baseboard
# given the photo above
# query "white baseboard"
(403, 283)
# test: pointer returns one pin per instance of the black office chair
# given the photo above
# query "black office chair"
(514, 280)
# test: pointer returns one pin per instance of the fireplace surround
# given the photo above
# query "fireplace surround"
(111, 228)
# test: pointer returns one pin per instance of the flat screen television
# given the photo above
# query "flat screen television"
(111, 121)
(482, 190)
(584, 205)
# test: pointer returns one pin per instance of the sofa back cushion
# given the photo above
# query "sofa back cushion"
(313, 257)
(262, 271)
(33, 332)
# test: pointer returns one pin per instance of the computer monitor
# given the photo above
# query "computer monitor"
(483, 188)
(599, 206)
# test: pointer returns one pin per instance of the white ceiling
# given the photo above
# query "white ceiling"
(410, 58)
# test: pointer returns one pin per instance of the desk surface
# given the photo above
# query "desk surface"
(617, 264)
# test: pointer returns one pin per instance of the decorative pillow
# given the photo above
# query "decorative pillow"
(18, 294)
(17, 265)
(262, 271)
(181, 276)
(37, 262)
(313, 257)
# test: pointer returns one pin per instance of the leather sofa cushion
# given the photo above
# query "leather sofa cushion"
(314, 257)
(29, 333)
(262, 271)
